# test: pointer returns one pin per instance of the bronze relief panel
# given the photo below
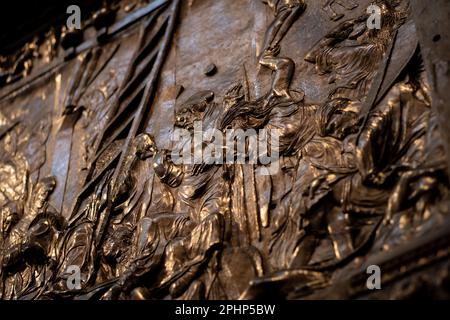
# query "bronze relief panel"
(312, 148)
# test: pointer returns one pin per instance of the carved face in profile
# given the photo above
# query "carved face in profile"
(44, 188)
(9, 217)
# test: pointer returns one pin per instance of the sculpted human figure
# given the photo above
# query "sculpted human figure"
(29, 254)
(28, 207)
(38, 251)
(294, 124)
(78, 244)
(179, 244)
(359, 162)
(350, 55)
(286, 13)
(377, 178)
(407, 122)
(325, 164)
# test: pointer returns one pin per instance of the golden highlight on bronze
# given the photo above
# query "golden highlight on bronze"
(315, 164)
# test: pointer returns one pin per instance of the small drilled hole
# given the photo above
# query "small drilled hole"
(436, 38)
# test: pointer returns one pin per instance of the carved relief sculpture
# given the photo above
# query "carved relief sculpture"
(92, 185)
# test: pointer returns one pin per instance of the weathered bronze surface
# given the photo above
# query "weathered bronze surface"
(87, 177)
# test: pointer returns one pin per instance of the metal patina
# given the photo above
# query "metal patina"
(87, 177)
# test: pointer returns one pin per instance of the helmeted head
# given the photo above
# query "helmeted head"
(44, 188)
(145, 146)
(191, 110)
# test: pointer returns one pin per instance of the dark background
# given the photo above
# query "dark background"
(21, 20)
